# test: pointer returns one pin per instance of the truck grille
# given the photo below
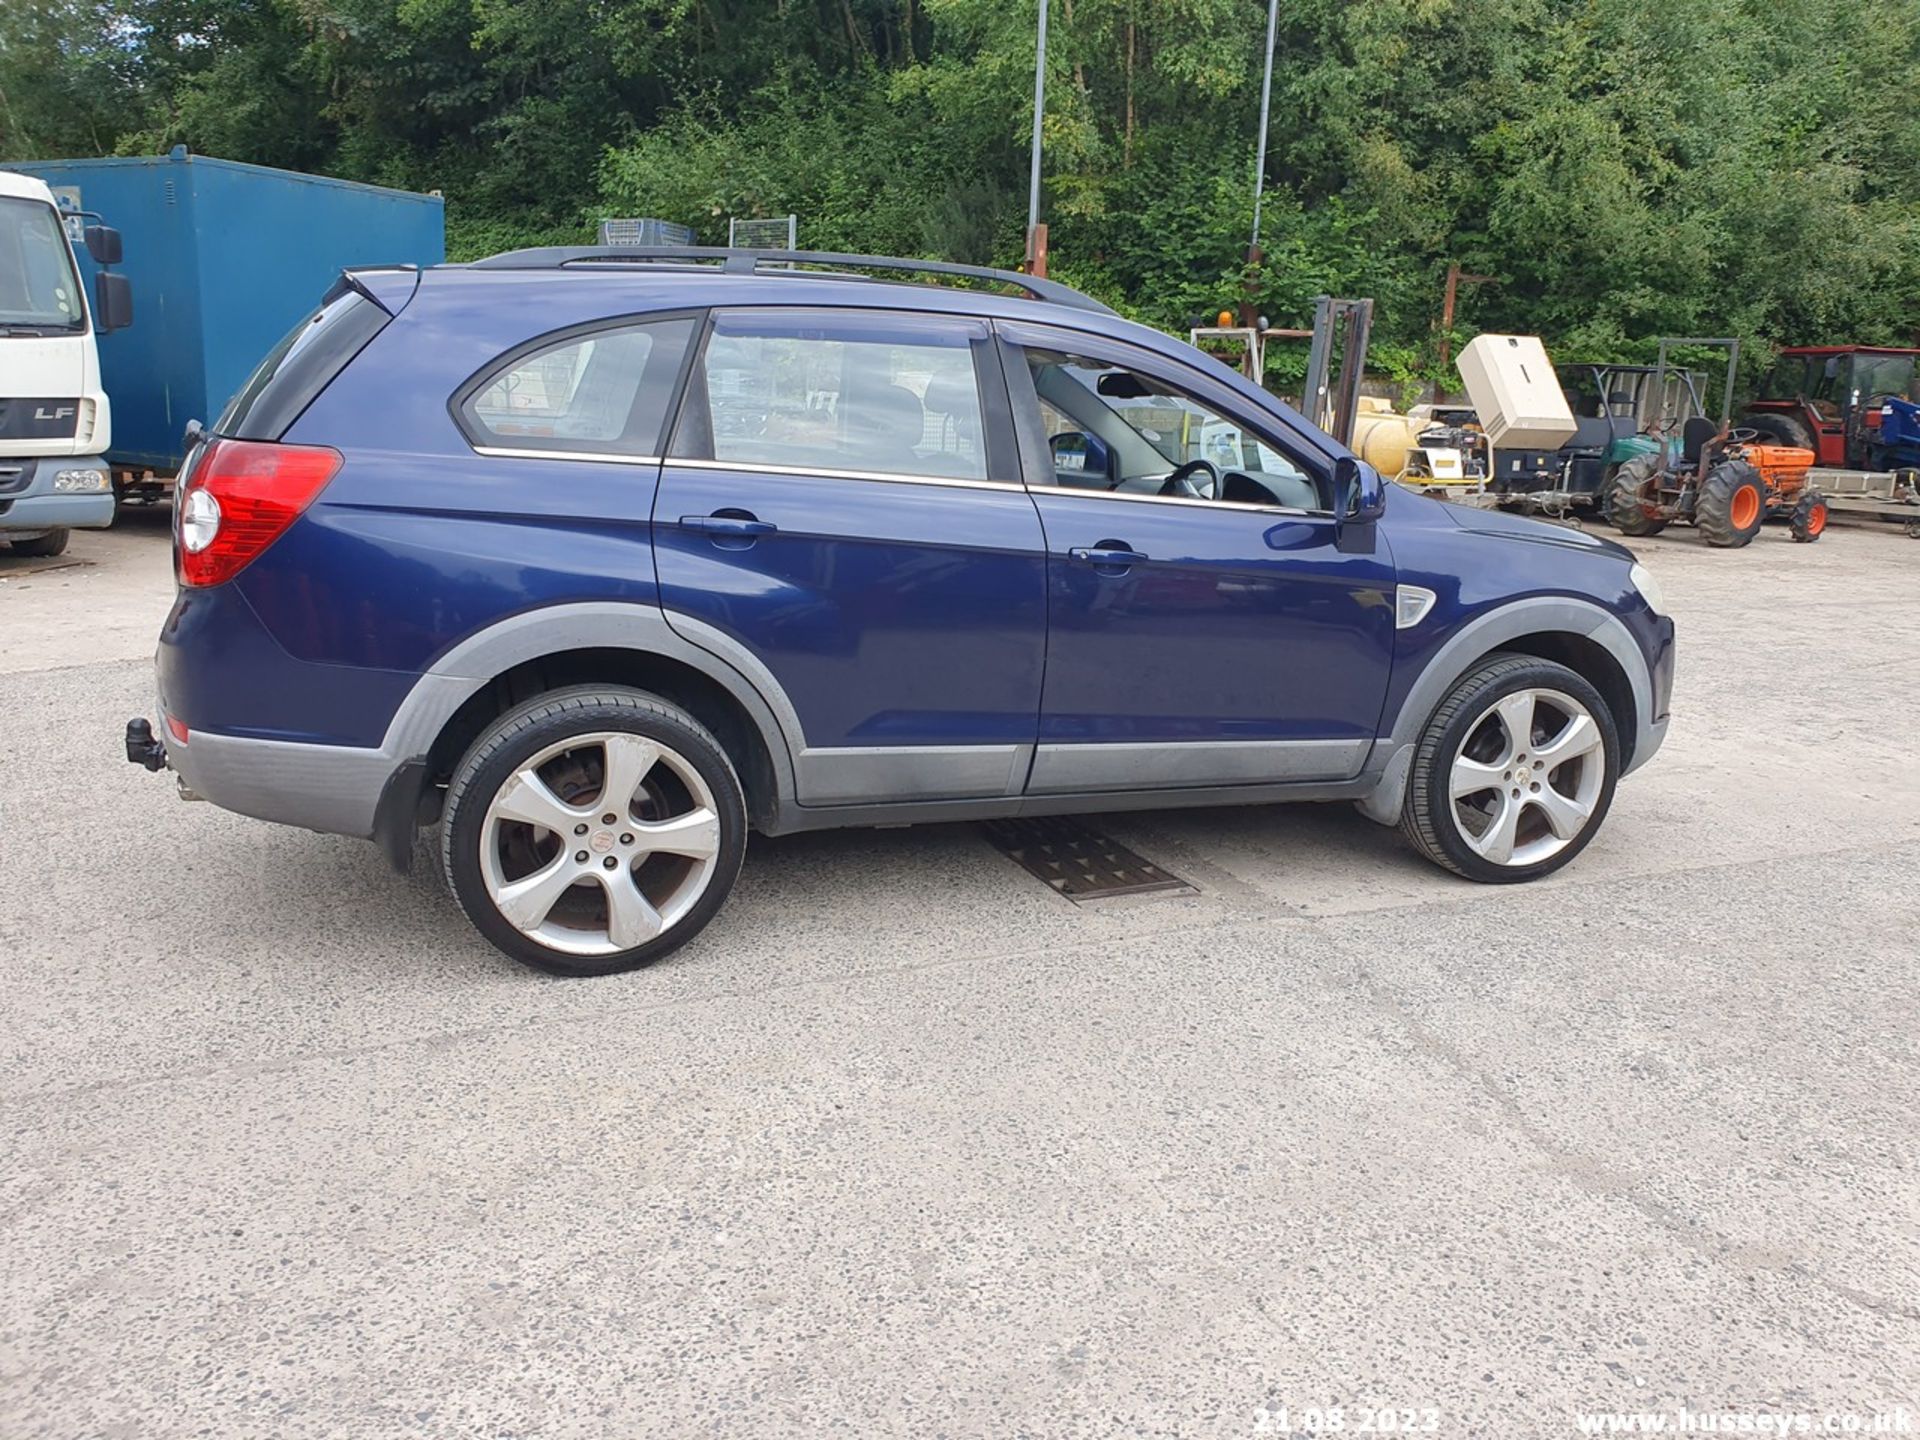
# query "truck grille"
(39, 419)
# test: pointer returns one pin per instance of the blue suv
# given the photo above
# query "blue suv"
(599, 560)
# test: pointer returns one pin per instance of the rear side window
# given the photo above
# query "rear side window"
(301, 366)
(606, 389)
(808, 391)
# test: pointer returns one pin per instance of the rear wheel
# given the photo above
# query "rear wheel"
(54, 542)
(1514, 773)
(1809, 517)
(1732, 505)
(593, 830)
(1628, 501)
(1777, 429)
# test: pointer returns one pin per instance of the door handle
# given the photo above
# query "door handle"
(738, 526)
(1112, 555)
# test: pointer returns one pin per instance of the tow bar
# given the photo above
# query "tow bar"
(142, 748)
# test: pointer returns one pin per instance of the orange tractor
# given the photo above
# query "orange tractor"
(1725, 483)
(1723, 480)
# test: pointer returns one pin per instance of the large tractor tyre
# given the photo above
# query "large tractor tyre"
(1627, 507)
(1732, 505)
(1809, 517)
(1777, 429)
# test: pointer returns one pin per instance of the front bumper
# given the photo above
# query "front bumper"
(29, 501)
(1651, 733)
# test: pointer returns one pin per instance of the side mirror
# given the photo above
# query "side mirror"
(1082, 461)
(103, 244)
(112, 301)
(1359, 494)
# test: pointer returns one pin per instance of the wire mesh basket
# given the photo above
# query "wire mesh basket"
(644, 232)
(775, 234)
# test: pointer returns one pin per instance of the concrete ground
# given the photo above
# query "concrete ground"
(907, 1145)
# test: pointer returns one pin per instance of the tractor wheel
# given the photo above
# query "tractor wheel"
(1732, 505)
(1626, 508)
(1809, 517)
(1777, 429)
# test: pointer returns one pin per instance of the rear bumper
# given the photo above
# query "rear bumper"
(29, 501)
(335, 789)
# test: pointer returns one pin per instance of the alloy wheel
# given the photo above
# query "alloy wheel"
(1526, 779)
(599, 843)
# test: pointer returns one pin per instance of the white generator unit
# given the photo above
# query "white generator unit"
(1515, 392)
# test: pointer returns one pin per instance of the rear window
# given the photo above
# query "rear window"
(301, 366)
(600, 391)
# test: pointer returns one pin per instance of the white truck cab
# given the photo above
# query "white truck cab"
(54, 420)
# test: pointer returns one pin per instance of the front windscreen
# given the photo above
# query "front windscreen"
(38, 287)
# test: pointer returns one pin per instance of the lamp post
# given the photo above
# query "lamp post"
(1036, 232)
(1247, 306)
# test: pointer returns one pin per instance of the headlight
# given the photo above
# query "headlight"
(1649, 588)
(73, 482)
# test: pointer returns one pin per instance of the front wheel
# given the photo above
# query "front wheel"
(593, 830)
(1732, 505)
(1809, 517)
(1633, 502)
(46, 546)
(1514, 773)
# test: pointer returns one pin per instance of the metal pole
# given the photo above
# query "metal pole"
(1313, 399)
(1039, 110)
(1266, 93)
(1440, 386)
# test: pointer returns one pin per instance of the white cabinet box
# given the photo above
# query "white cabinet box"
(1512, 385)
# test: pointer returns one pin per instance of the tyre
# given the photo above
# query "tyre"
(1626, 507)
(593, 830)
(1778, 429)
(1809, 517)
(54, 542)
(1514, 773)
(1732, 505)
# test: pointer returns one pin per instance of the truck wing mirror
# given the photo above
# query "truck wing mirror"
(112, 301)
(103, 244)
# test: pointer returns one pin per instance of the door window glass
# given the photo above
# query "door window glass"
(1883, 375)
(37, 284)
(1145, 433)
(894, 395)
(607, 390)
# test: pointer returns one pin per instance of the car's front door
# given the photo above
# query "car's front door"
(1205, 627)
(841, 514)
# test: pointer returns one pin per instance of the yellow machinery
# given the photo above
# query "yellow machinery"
(1431, 447)
(1383, 438)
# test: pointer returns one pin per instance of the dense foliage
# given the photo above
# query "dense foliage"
(1621, 168)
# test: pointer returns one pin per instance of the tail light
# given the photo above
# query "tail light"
(241, 495)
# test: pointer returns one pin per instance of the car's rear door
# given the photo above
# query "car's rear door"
(841, 514)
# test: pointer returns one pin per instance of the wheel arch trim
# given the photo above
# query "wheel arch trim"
(1534, 615)
(591, 625)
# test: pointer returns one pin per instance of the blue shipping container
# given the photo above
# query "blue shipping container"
(224, 260)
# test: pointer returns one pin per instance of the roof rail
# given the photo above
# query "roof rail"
(750, 262)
